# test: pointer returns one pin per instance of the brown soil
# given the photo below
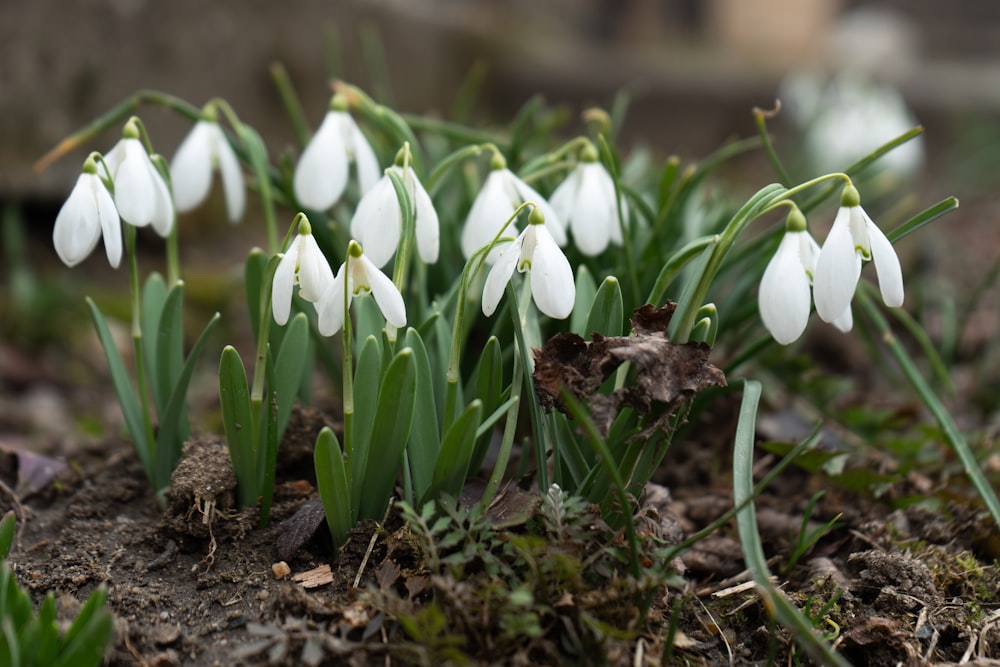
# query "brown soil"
(200, 584)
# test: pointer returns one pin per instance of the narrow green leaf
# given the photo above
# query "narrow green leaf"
(366, 393)
(290, 367)
(7, 525)
(88, 636)
(124, 390)
(607, 312)
(267, 446)
(334, 485)
(586, 290)
(154, 296)
(169, 354)
(389, 435)
(753, 552)
(425, 435)
(452, 464)
(488, 378)
(234, 396)
(923, 218)
(173, 431)
(46, 641)
(253, 275)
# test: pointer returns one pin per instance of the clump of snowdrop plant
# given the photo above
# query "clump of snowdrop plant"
(426, 384)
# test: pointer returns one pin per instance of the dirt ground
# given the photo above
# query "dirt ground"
(199, 584)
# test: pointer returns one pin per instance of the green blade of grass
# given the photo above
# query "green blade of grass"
(753, 551)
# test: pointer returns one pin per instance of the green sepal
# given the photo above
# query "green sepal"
(234, 396)
(390, 433)
(334, 485)
(607, 310)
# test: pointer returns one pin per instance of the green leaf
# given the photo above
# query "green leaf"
(391, 431)
(234, 395)
(924, 217)
(607, 312)
(586, 290)
(425, 435)
(368, 320)
(452, 466)
(290, 367)
(173, 432)
(253, 275)
(489, 391)
(7, 525)
(334, 485)
(366, 392)
(169, 354)
(154, 297)
(47, 641)
(123, 389)
(87, 638)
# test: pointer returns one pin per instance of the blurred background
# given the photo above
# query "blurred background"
(694, 71)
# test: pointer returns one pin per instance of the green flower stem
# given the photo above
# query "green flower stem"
(454, 358)
(930, 399)
(408, 233)
(140, 361)
(516, 384)
(760, 117)
(522, 351)
(347, 365)
(611, 164)
(447, 163)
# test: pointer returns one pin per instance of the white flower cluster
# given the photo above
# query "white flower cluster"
(832, 272)
(141, 196)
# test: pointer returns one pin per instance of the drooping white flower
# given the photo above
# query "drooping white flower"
(204, 149)
(362, 277)
(785, 296)
(322, 171)
(585, 202)
(534, 249)
(88, 213)
(141, 194)
(378, 220)
(854, 238)
(501, 194)
(303, 264)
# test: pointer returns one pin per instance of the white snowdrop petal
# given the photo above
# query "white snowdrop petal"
(837, 271)
(890, 275)
(163, 211)
(376, 224)
(111, 225)
(384, 291)
(508, 255)
(233, 184)
(365, 160)
(191, 168)
(564, 196)
(783, 299)
(553, 222)
(283, 282)
(552, 285)
(315, 274)
(135, 190)
(321, 173)
(593, 215)
(845, 321)
(330, 309)
(77, 228)
(490, 209)
(428, 229)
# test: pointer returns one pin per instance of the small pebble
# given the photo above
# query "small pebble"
(281, 570)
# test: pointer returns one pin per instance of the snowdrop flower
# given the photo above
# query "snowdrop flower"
(854, 238)
(321, 174)
(785, 298)
(303, 264)
(534, 249)
(586, 203)
(141, 194)
(362, 277)
(502, 193)
(378, 221)
(205, 148)
(88, 213)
